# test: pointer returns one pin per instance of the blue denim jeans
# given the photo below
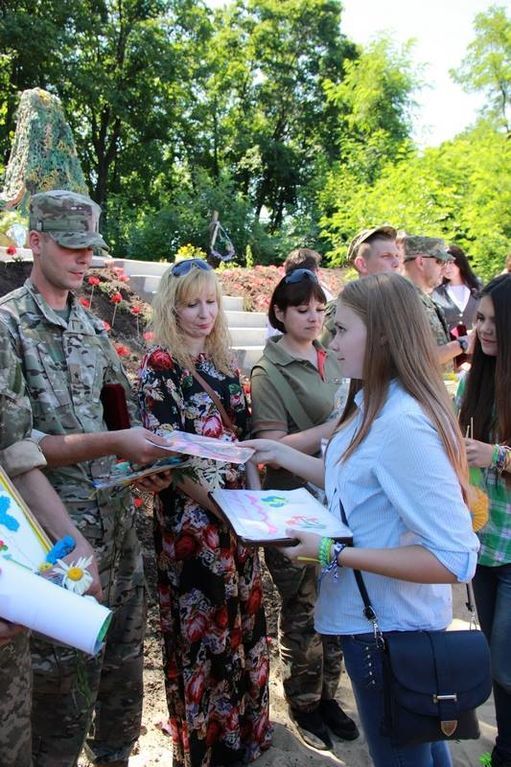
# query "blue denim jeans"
(492, 590)
(363, 663)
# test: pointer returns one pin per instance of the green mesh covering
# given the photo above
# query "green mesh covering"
(43, 154)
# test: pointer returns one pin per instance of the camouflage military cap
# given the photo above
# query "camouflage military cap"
(71, 219)
(366, 234)
(429, 247)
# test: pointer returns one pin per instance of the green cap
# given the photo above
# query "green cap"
(384, 229)
(428, 247)
(71, 219)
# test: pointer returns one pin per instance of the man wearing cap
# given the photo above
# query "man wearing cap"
(371, 251)
(66, 359)
(424, 259)
(22, 459)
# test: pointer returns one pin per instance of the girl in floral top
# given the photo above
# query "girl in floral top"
(216, 658)
(485, 413)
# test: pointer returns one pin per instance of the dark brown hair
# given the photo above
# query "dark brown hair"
(486, 402)
(302, 258)
(462, 262)
(293, 294)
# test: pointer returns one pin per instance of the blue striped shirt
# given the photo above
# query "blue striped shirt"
(398, 488)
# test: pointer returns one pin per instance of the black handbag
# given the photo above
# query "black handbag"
(433, 680)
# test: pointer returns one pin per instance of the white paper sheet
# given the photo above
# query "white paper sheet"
(40, 605)
(263, 516)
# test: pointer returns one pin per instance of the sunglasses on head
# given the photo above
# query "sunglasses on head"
(186, 266)
(299, 275)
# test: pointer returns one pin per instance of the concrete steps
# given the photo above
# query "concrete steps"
(247, 329)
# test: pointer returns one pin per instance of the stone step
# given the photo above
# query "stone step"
(233, 303)
(147, 268)
(245, 337)
(236, 319)
(247, 357)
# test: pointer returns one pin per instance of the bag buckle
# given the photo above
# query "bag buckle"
(438, 698)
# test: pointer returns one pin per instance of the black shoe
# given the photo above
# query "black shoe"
(312, 729)
(337, 720)
(499, 761)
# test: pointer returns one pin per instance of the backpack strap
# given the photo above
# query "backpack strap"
(286, 393)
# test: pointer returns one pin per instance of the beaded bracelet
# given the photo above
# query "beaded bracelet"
(500, 458)
(325, 547)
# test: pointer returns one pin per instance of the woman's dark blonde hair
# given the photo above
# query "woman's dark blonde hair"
(400, 346)
(175, 292)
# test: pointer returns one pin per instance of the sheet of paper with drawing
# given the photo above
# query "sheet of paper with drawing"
(206, 447)
(263, 516)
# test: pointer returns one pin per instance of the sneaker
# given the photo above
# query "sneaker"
(312, 729)
(337, 720)
(497, 760)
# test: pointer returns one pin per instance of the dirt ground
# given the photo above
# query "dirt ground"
(154, 748)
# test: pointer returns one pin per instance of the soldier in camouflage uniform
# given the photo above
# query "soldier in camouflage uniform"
(424, 261)
(371, 251)
(21, 458)
(66, 359)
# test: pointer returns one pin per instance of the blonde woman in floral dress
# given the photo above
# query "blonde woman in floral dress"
(216, 660)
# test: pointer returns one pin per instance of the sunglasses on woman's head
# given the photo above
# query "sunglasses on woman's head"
(299, 275)
(186, 266)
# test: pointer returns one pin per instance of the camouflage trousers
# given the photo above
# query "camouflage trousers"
(72, 689)
(15, 699)
(311, 662)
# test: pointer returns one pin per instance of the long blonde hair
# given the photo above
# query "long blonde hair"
(173, 293)
(400, 345)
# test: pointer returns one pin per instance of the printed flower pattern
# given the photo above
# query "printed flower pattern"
(210, 590)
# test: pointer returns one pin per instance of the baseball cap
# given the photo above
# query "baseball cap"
(366, 234)
(71, 219)
(429, 247)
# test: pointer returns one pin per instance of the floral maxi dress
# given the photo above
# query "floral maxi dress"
(216, 660)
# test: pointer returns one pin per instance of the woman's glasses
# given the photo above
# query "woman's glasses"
(186, 266)
(299, 275)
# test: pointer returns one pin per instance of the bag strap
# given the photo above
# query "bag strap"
(369, 611)
(287, 395)
(227, 422)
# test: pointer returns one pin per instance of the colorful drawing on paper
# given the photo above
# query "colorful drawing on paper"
(266, 516)
(206, 447)
(22, 540)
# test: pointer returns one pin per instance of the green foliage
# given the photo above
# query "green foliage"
(460, 190)
(487, 65)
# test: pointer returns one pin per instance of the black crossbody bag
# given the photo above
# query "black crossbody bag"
(433, 680)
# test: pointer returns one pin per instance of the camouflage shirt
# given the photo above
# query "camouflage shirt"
(65, 366)
(18, 453)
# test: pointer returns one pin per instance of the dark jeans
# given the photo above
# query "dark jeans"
(492, 589)
(364, 666)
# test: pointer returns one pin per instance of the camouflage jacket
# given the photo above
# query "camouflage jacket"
(18, 453)
(65, 366)
(436, 318)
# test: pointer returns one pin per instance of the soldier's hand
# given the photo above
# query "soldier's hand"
(154, 483)
(84, 549)
(139, 445)
(8, 631)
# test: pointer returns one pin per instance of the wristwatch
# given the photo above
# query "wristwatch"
(463, 344)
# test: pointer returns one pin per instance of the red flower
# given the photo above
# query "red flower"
(122, 350)
(254, 600)
(93, 281)
(123, 278)
(11, 250)
(196, 686)
(221, 617)
(116, 298)
(136, 309)
(212, 426)
(185, 546)
(160, 360)
(138, 502)
(107, 326)
(148, 336)
(212, 732)
(85, 302)
(195, 627)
